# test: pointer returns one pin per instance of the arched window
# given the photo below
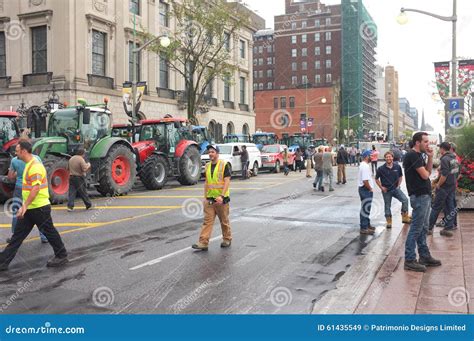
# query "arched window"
(230, 128)
(245, 129)
(212, 129)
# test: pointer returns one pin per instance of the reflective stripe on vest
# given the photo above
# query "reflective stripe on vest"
(28, 180)
(215, 181)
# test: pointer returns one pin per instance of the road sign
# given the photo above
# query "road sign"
(456, 103)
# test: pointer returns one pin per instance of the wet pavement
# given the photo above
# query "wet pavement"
(132, 254)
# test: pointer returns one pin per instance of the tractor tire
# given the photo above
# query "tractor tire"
(58, 179)
(117, 172)
(189, 167)
(154, 173)
(6, 187)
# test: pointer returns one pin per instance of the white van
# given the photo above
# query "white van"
(230, 152)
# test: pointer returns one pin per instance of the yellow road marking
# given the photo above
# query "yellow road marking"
(63, 208)
(57, 225)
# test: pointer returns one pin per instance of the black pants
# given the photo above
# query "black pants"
(77, 186)
(245, 169)
(41, 217)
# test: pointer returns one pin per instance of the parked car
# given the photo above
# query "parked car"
(230, 153)
(272, 157)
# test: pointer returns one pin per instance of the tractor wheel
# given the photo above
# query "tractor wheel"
(154, 173)
(58, 179)
(117, 171)
(190, 167)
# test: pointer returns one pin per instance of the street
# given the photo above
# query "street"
(132, 254)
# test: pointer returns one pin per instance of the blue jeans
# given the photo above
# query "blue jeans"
(419, 227)
(397, 194)
(17, 202)
(318, 180)
(444, 200)
(366, 198)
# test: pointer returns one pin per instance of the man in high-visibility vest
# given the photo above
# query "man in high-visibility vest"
(36, 210)
(217, 199)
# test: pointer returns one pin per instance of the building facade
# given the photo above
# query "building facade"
(83, 49)
(391, 96)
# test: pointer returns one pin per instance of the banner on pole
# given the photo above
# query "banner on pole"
(127, 96)
(443, 74)
(465, 77)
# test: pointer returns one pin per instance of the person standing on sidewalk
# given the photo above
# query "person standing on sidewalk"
(36, 210)
(286, 159)
(244, 158)
(217, 199)
(299, 159)
(417, 173)
(342, 159)
(327, 168)
(15, 172)
(445, 197)
(318, 167)
(366, 194)
(352, 154)
(78, 168)
(309, 160)
(389, 177)
(374, 158)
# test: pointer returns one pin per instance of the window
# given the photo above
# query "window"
(304, 38)
(255, 61)
(304, 66)
(164, 14)
(39, 49)
(242, 49)
(328, 36)
(255, 50)
(98, 52)
(269, 73)
(294, 66)
(242, 90)
(294, 53)
(255, 86)
(293, 26)
(227, 43)
(275, 102)
(317, 65)
(304, 79)
(135, 7)
(317, 51)
(304, 24)
(131, 55)
(270, 48)
(269, 85)
(304, 51)
(260, 49)
(317, 23)
(255, 74)
(328, 21)
(283, 102)
(292, 102)
(328, 78)
(3, 54)
(209, 90)
(164, 72)
(260, 61)
(260, 87)
(260, 74)
(227, 88)
(293, 39)
(328, 63)
(317, 79)
(294, 80)
(269, 60)
(328, 49)
(317, 37)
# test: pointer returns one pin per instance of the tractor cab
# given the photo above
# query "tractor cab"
(264, 139)
(9, 132)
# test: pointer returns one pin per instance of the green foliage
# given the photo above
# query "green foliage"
(464, 140)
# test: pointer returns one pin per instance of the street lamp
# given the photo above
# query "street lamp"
(403, 19)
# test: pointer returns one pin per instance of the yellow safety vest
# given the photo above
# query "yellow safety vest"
(34, 175)
(215, 181)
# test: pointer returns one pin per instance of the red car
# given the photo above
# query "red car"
(272, 157)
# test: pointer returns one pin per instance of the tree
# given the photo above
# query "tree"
(201, 48)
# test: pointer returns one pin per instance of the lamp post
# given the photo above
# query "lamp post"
(322, 100)
(403, 19)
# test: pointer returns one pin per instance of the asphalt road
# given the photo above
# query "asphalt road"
(132, 254)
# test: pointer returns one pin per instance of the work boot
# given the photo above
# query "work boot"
(331, 190)
(446, 233)
(200, 247)
(414, 266)
(367, 232)
(389, 222)
(226, 243)
(322, 188)
(429, 261)
(371, 228)
(56, 262)
(406, 219)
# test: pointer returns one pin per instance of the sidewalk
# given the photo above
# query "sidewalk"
(448, 289)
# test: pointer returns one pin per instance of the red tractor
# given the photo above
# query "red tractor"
(165, 148)
(9, 135)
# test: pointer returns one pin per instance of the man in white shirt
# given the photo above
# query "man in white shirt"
(366, 193)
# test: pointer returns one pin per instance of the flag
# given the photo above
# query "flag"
(443, 73)
(465, 77)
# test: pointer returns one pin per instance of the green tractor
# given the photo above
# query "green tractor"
(113, 170)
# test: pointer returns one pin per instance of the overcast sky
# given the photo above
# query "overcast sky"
(411, 48)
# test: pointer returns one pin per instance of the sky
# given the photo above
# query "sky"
(412, 48)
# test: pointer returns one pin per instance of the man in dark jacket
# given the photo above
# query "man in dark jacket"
(244, 158)
(342, 160)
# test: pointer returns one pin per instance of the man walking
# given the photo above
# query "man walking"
(389, 177)
(366, 194)
(217, 199)
(299, 159)
(78, 168)
(374, 158)
(286, 158)
(309, 160)
(327, 168)
(352, 154)
(36, 210)
(417, 173)
(318, 167)
(342, 159)
(244, 159)
(445, 196)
